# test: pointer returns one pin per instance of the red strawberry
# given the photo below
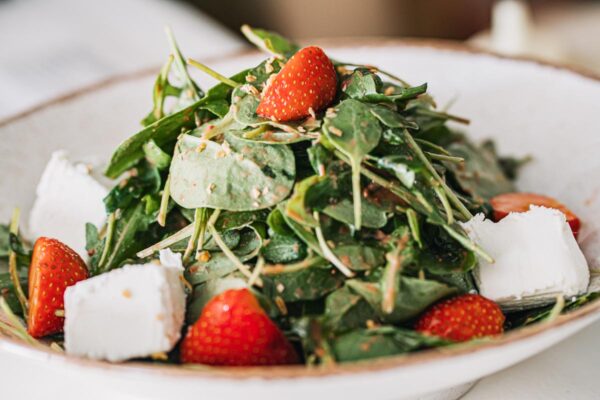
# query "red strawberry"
(234, 330)
(307, 81)
(54, 267)
(506, 203)
(462, 318)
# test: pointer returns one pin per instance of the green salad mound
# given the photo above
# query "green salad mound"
(345, 224)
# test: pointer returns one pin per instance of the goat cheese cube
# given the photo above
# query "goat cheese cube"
(133, 311)
(536, 257)
(67, 198)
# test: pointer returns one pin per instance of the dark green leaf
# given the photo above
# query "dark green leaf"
(283, 249)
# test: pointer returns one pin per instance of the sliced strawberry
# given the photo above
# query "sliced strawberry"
(234, 330)
(519, 202)
(307, 83)
(54, 267)
(462, 318)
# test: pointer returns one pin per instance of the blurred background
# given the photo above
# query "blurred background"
(51, 47)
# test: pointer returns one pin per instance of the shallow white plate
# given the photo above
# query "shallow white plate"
(527, 107)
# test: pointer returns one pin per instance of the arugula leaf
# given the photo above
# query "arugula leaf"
(147, 180)
(481, 176)
(4, 243)
(270, 42)
(235, 175)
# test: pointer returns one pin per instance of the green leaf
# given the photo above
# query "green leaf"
(413, 296)
(346, 310)
(296, 207)
(384, 341)
(354, 131)
(270, 41)
(361, 83)
(303, 232)
(481, 176)
(166, 129)
(391, 118)
(237, 176)
(343, 211)
(303, 285)
(147, 180)
(277, 223)
(360, 257)
(444, 255)
(283, 249)
(4, 234)
(156, 156)
(131, 235)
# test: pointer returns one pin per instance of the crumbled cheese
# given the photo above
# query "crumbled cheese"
(535, 253)
(68, 197)
(133, 311)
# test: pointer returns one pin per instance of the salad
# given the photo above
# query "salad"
(306, 210)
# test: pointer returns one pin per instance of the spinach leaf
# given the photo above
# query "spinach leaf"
(235, 175)
(346, 310)
(302, 285)
(413, 296)
(283, 249)
(354, 131)
(359, 256)
(166, 129)
(343, 211)
(156, 156)
(444, 255)
(384, 341)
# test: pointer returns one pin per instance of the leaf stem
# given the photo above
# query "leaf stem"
(199, 220)
(443, 157)
(12, 262)
(432, 146)
(356, 194)
(213, 73)
(451, 196)
(164, 203)
(110, 231)
(14, 326)
(445, 203)
(413, 224)
(258, 268)
(174, 238)
(328, 253)
(289, 268)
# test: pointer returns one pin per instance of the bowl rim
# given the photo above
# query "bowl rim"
(301, 371)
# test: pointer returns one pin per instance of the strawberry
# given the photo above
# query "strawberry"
(506, 203)
(307, 83)
(234, 330)
(462, 318)
(54, 267)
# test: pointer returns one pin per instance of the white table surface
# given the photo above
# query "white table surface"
(73, 45)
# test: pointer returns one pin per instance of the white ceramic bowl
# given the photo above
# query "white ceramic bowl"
(526, 107)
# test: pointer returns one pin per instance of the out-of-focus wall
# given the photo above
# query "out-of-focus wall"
(455, 19)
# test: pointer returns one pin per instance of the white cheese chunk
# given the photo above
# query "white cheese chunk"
(535, 253)
(67, 198)
(133, 311)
